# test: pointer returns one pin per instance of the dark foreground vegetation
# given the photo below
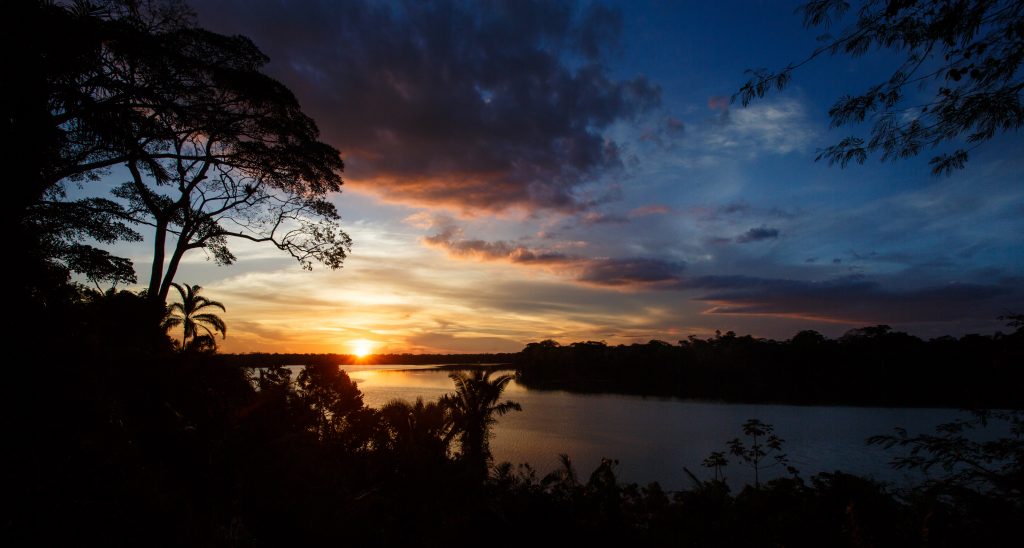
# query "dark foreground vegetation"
(121, 437)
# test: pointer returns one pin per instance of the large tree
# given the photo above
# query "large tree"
(212, 148)
(957, 83)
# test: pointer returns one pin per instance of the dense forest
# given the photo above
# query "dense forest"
(867, 366)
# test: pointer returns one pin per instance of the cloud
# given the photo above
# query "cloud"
(776, 127)
(652, 209)
(758, 234)
(632, 272)
(484, 105)
(445, 342)
(664, 133)
(855, 299)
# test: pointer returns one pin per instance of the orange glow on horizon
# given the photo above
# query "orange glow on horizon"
(361, 347)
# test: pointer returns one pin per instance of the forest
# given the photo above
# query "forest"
(866, 366)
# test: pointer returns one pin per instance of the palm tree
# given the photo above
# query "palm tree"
(189, 314)
(474, 406)
(418, 431)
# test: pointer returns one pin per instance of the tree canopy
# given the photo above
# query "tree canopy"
(212, 147)
(957, 84)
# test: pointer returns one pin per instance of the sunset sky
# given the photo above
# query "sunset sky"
(519, 171)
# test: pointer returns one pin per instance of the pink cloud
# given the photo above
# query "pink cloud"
(652, 209)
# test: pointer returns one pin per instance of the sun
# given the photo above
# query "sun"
(361, 347)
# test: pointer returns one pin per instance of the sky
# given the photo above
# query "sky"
(519, 171)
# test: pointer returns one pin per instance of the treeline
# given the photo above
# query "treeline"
(264, 359)
(867, 366)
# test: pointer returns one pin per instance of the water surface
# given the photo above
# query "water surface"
(655, 438)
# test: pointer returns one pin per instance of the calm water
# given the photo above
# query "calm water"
(654, 438)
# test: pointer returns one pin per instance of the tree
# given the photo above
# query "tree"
(214, 149)
(418, 432)
(964, 56)
(716, 461)
(474, 406)
(190, 315)
(968, 452)
(763, 444)
(333, 404)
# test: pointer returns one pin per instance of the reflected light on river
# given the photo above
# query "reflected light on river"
(655, 438)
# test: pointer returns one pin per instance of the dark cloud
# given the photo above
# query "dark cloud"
(476, 105)
(631, 271)
(601, 271)
(735, 207)
(855, 299)
(758, 234)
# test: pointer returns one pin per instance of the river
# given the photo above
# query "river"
(655, 438)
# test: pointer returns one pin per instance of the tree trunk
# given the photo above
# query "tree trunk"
(156, 275)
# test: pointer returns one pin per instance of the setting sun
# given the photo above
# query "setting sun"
(361, 347)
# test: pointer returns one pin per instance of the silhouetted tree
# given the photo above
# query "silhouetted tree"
(716, 461)
(193, 315)
(419, 432)
(57, 132)
(965, 54)
(214, 148)
(333, 403)
(474, 406)
(763, 444)
(967, 452)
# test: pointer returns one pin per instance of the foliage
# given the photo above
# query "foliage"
(473, 408)
(716, 461)
(764, 444)
(333, 402)
(419, 432)
(963, 57)
(214, 148)
(190, 315)
(984, 452)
